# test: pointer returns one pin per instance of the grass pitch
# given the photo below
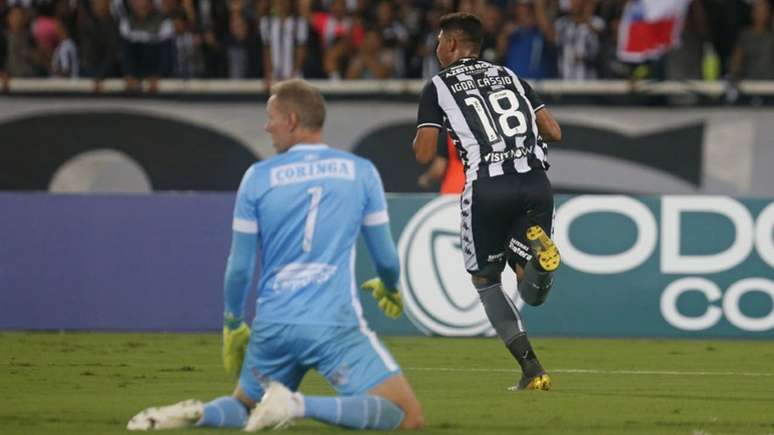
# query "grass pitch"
(89, 383)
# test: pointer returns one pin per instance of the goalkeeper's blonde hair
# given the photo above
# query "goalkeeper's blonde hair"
(299, 97)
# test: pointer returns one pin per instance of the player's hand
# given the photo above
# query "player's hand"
(234, 346)
(388, 300)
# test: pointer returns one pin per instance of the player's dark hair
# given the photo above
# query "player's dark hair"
(468, 26)
(305, 100)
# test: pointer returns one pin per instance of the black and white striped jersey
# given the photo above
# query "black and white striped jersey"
(283, 36)
(490, 114)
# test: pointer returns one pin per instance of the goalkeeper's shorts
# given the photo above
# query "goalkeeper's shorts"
(352, 360)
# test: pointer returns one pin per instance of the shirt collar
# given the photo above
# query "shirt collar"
(459, 62)
(462, 60)
(308, 147)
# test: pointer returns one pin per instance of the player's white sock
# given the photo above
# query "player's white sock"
(224, 411)
(356, 412)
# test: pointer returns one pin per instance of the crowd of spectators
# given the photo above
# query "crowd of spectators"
(144, 40)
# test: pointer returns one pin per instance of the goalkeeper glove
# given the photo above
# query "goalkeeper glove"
(234, 346)
(388, 299)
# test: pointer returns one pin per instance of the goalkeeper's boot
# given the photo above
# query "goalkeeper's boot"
(276, 410)
(544, 249)
(541, 382)
(179, 415)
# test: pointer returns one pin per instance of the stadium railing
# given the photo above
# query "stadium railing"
(712, 89)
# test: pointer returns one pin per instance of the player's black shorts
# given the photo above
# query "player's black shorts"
(496, 213)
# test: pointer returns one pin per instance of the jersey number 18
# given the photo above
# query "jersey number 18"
(505, 114)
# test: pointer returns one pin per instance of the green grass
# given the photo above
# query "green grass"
(89, 383)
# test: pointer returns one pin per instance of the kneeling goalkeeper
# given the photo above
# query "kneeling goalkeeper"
(305, 208)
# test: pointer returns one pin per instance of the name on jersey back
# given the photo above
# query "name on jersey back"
(306, 171)
(483, 82)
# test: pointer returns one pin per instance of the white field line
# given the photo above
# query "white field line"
(594, 371)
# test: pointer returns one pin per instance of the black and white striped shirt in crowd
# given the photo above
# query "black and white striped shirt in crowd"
(64, 60)
(283, 36)
(577, 44)
(490, 114)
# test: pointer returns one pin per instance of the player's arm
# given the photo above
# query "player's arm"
(236, 286)
(239, 273)
(240, 268)
(425, 144)
(437, 168)
(429, 125)
(381, 247)
(434, 173)
(384, 288)
(547, 126)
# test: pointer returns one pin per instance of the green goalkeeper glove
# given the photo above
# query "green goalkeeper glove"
(234, 346)
(388, 299)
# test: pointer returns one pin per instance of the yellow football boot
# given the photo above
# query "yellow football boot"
(543, 248)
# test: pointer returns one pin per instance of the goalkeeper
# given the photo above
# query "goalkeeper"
(301, 213)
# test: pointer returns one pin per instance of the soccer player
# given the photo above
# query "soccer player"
(303, 211)
(499, 125)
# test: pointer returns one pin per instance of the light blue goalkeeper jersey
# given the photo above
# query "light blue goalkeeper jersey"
(307, 207)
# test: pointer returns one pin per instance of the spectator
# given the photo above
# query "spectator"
(475, 7)
(372, 60)
(753, 56)
(64, 60)
(97, 41)
(189, 6)
(610, 66)
(576, 38)
(492, 24)
(728, 18)
(213, 23)
(168, 8)
(185, 48)
(44, 31)
(22, 57)
(337, 24)
(685, 61)
(394, 35)
(363, 9)
(410, 16)
(526, 51)
(146, 44)
(241, 49)
(337, 58)
(4, 84)
(284, 36)
(425, 51)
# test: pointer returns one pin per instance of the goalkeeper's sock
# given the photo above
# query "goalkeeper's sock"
(226, 411)
(355, 412)
(521, 349)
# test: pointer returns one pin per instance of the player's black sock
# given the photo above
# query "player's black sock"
(506, 319)
(536, 284)
(521, 349)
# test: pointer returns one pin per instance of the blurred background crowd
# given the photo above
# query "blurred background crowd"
(363, 39)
